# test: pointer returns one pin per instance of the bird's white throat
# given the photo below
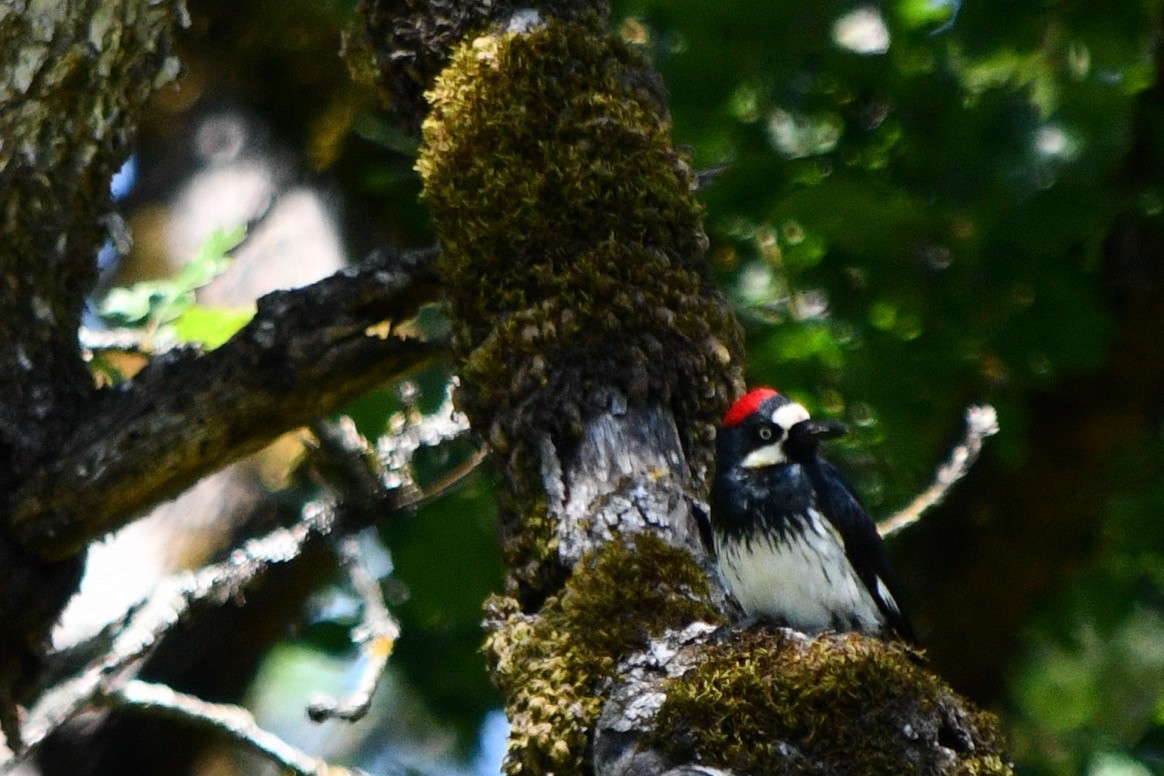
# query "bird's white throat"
(768, 455)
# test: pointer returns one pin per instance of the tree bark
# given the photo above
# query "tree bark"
(305, 353)
(75, 74)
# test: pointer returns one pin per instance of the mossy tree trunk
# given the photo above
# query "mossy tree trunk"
(595, 357)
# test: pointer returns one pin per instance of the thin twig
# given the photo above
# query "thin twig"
(346, 464)
(446, 483)
(234, 721)
(981, 422)
(410, 430)
(137, 341)
(376, 634)
(160, 612)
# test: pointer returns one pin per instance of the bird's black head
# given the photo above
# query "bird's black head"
(765, 429)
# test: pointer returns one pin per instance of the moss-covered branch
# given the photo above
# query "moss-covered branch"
(554, 668)
(573, 250)
(596, 353)
(596, 357)
(779, 702)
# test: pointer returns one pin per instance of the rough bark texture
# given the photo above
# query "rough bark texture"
(627, 474)
(596, 359)
(306, 353)
(74, 74)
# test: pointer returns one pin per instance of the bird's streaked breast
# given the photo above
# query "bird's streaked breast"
(801, 577)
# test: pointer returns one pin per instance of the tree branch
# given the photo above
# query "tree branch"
(376, 633)
(981, 422)
(145, 625)
(305, 353)
(345, 466)
(234, 721)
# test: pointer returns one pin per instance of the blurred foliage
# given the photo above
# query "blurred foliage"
(447, 556)
(924, 204)
(168, 304)
(1092, 683)
(939, 207)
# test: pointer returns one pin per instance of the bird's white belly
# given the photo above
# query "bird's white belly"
(805, 581)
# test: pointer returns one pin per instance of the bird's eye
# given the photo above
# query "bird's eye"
(765, 433)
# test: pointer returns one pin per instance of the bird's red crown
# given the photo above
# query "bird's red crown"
(746, 405)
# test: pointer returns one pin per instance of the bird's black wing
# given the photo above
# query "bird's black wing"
(862, 543)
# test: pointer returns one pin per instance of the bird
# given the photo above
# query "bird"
(792, 541)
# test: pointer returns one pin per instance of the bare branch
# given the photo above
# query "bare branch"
(408, 431)
(981, 422)
(234, 721)
(448, 482)
(348, 465)
(305, 353)
(170, 602)
(345, 463)
(125, 340)
(370, 478)
(377, 635)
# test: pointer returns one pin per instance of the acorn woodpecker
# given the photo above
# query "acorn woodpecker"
(793, 543)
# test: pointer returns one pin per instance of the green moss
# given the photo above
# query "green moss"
(401, 45)
(571, 243)
(552, 667)
(529, 544)
(764, 703)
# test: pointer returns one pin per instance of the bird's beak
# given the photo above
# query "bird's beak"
(817, 430)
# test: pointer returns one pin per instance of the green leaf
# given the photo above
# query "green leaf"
(128, 306)
(211, 259)
(211, 326)
(156, 302)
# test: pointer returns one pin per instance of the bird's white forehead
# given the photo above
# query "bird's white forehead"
(789, 415)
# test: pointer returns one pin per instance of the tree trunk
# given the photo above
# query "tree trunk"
(76, 72)
(596, 357)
